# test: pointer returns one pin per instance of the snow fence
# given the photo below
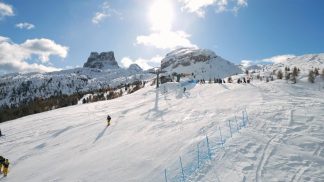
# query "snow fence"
(198, 157)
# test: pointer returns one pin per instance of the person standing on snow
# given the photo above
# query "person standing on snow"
(2, 160)
(5, 167)
(108, 120)
(0, 133)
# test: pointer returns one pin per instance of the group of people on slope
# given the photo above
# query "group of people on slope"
(4, 166)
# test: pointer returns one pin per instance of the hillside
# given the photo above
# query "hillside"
(24, 94)
(101, 71)
(304, 63)
(152, 128)
(22, 88)
(202, 63)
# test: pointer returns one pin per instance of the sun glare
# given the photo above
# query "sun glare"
(161, 15)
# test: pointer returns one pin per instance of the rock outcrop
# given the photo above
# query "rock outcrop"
(104, 60)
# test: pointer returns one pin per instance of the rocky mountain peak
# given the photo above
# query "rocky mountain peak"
(104, 60)
(135, 67)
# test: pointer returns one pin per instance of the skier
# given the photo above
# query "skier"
(5, 167)
(2, 160)
(1, 133)
(108, 120)
(184, 89)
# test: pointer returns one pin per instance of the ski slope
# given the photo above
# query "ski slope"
(151, 128)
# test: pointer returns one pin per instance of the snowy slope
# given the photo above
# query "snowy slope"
(304, 63)
(308, 61)
(203, 63)
(18, 88)
(284, 140)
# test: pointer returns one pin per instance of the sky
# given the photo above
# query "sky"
(41, 36)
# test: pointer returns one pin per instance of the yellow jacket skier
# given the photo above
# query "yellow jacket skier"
(5, 167)
(2, 160)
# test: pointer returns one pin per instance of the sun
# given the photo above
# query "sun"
(161, 15)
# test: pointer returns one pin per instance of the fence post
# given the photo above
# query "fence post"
(198, 154)
(243, 120)
(183, 177)
(229, 124)
(209, 152)
(247, 117)
(165, 175)
(220, 132)
(237, 126)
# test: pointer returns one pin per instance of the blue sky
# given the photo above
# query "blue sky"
(38, 35)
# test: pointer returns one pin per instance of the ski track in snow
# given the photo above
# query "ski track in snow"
(264, 158)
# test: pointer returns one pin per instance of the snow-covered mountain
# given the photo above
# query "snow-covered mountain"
(22, 88)
(102, 70)
(252, 67)
(304, 62)
(134, 68)
(203, 63)
(152, 128)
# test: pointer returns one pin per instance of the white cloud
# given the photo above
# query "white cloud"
(14, 57)
(278, 59)
(199, 6)
(242, 3)
(4, 39)
(247, 63)
(99, 16)
(145, 64)
(196, 6)
(5, 10)
(166, 40)
(105, 12)
(25, 25)
(44, 48)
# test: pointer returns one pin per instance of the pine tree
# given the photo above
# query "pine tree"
(294, 75)
(279, 74)
(120, 92)
(316, 71)
(287, 76)
(274, 72)
(229, 80)
(311, 76)
(247, 72)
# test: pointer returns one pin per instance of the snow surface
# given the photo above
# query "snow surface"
(151, 128)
